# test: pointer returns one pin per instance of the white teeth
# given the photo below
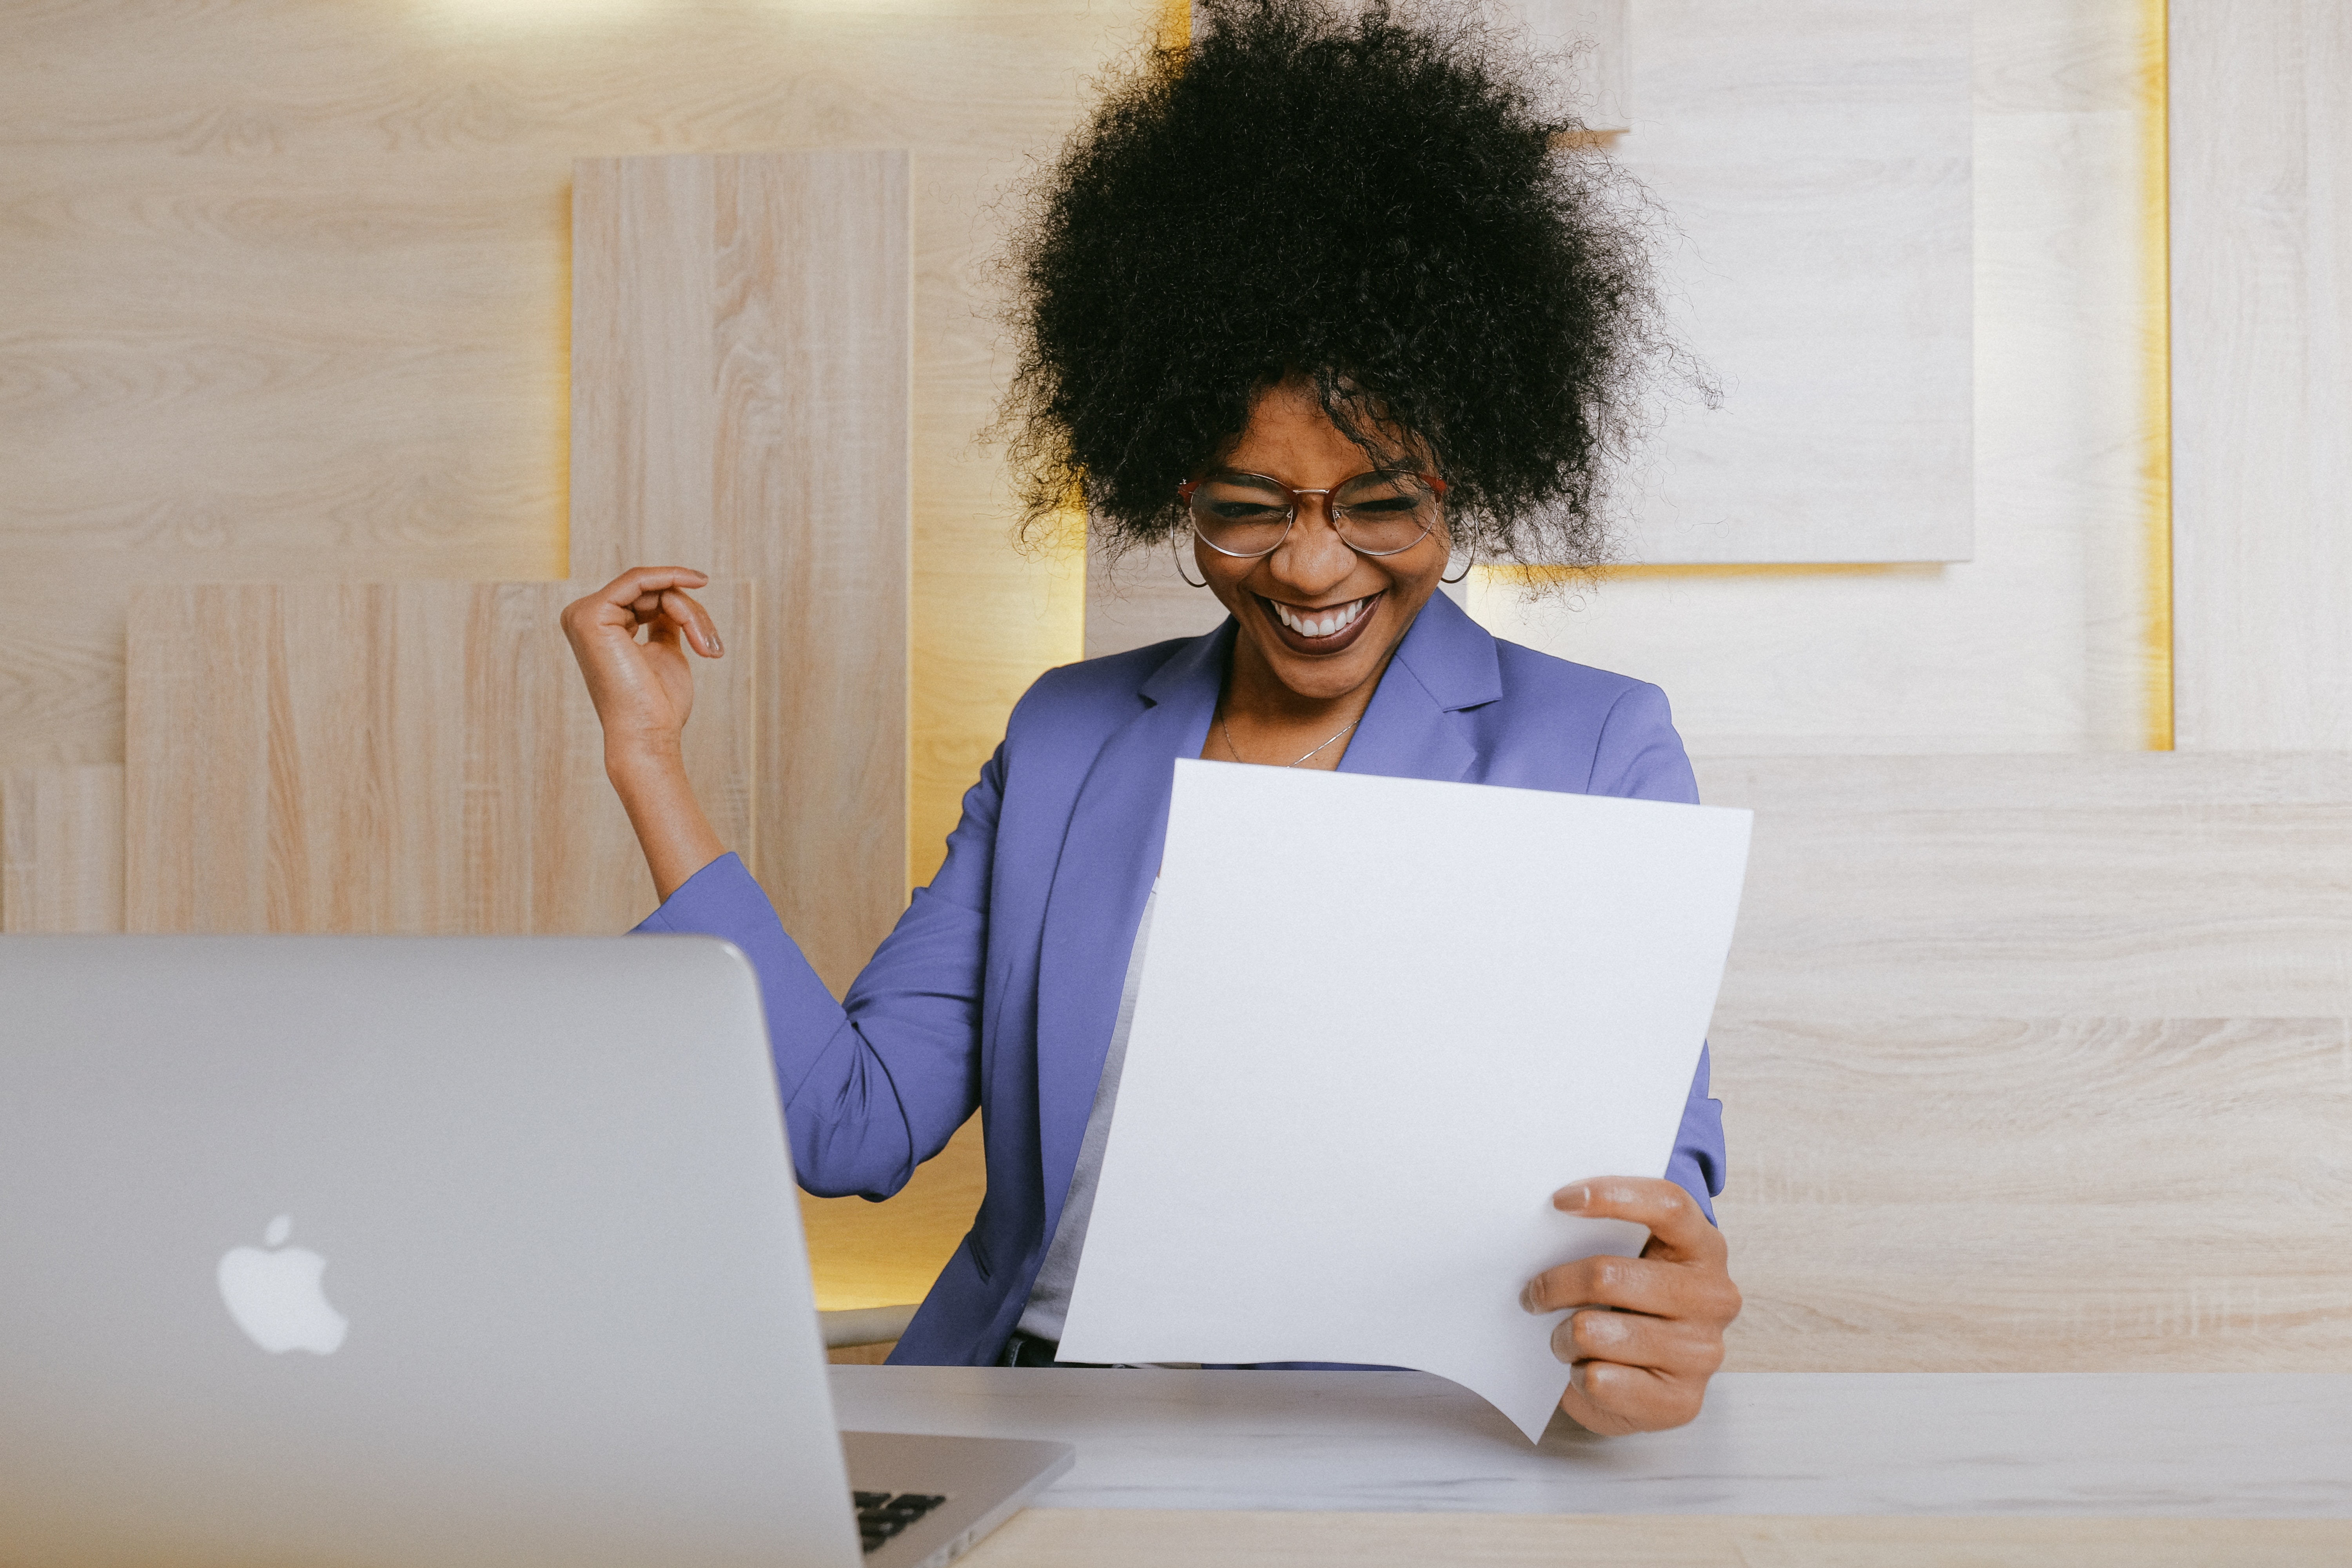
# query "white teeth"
(1323, 627)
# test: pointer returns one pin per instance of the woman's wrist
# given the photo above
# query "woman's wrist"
(677, 837)
(644, 763)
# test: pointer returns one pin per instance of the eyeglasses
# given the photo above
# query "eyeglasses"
(1385, 512)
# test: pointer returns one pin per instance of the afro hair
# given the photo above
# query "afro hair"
(1379, 205)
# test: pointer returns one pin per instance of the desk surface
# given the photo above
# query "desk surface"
(2246, 1445)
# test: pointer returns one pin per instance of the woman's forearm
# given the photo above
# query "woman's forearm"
(677, 837)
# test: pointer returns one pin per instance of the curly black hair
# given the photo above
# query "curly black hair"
(1380, 205)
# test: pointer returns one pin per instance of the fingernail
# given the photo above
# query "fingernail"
(717, 648)
(1576, 1376)
(1528, 1297)
(1567, 1200)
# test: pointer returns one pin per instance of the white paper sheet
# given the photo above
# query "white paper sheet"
(1381, 1021)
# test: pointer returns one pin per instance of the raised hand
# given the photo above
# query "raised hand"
(643, 690)
(644, 693)
(1647, 1331)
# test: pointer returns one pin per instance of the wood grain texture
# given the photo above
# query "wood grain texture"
(742, 402)
(2261, 359)
(2040, 642)
(393, 758)
(2050, 1194)
(1844, 429)
(1157, 1538)
(1142, 598)
(2128, 884)
(61, 849)
(288, 298)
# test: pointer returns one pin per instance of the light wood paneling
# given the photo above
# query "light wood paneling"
(1813, 161)
(1143, 599)
(1159, 1537)
(61, 849)
(2038, 1063)
(287, 299)
(2040, 642)
(2145, 885)
(2053, 1194)
(393, 758)
(741, 404)
(2262, 363)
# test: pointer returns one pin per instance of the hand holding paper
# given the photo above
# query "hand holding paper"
(1381, 1022)
(1644, 1333)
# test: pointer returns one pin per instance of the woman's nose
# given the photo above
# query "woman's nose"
(1312, 556)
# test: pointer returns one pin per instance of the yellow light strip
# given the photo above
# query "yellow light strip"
(2155, 375)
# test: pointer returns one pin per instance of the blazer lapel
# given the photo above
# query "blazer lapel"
(1446, 663)
(1110, 856)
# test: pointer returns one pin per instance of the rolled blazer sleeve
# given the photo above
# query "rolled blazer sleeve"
(876, 1084)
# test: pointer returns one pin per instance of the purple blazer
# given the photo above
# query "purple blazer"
(1000, 985)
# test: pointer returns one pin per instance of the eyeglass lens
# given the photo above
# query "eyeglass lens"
(1377, 513)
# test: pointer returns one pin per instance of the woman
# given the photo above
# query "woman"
(1313, 297)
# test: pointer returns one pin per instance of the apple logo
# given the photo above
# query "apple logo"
(275, 1296)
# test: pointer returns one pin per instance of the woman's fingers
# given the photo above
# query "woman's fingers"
(1611, 1397)
(681, 612)
(1630, 1284)
(651, 596)
(1643, 1335)
(1674, 1345)
(644, 693)
(643, 582)
(1678, 1226)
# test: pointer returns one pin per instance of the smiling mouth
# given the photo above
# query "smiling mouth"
(1326, 630)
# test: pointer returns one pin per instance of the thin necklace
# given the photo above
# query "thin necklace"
(1236, 751)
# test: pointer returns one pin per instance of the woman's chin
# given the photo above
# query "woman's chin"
(1323, 677)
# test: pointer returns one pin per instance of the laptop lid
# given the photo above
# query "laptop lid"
(402, 1251)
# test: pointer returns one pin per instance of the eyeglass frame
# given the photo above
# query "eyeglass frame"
(1290, 518)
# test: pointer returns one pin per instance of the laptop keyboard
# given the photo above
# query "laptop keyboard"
(881, 1515)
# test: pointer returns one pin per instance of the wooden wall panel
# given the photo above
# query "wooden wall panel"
(2035, 1063)
(1142, 598)
(1813, 162)
(288, 299)
(393, 758)
(61, 849)
(2049, 1195)
(2261, 363)
(2147, 885)
(2046, 640)
(742, 404)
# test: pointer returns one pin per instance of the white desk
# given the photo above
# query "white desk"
(2181, 1446)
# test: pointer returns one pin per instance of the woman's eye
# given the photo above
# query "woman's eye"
(1244, 511)
(1388, 506)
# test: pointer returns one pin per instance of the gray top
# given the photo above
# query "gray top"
(1049, 1298)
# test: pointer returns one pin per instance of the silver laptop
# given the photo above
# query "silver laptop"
(424, 1253)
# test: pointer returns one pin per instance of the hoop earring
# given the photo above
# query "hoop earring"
(1176, 550)
(1472, 560)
